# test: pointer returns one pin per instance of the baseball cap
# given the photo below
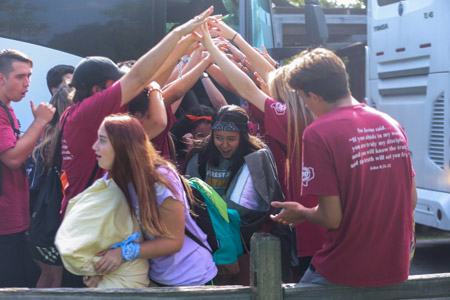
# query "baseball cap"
(94, 70)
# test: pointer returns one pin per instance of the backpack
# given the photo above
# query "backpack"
(221, 225)
(45, 214)
(35, 170)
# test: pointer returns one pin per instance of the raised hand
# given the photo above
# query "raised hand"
(219, 27)
(206, 39)
(266, 55)
(195, 22)
(44, 112)
(262, 84)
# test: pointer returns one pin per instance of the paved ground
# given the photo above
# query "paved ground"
(431, 256)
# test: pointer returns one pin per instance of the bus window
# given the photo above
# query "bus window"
(387, 2)
(55, 32)
(118, 29)
(111, 28)
(180, 11)
(262, 33)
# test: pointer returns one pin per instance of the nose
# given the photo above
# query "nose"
(94, 147)
(27, 81)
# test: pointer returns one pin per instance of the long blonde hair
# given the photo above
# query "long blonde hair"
(298, 118)
(46, 147)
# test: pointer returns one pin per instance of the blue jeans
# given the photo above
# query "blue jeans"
(311, 276)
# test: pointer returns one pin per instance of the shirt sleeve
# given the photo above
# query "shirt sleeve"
(276, 115)
(163, 192)
(100, 105)
(254, 112)
(7, 137)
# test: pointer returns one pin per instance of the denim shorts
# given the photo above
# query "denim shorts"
(311, 276)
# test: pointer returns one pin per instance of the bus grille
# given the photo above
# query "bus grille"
(436, 145)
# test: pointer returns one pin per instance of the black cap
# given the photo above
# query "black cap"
(94, 70)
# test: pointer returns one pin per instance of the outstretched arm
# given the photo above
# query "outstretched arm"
(180, 86)
(241, 82)
(156, 119)
(214, 95)
(261, 65)
(147, 67)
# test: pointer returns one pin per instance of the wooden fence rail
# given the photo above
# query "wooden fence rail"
(265, 281)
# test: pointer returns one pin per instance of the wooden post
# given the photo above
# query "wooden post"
(265, 267)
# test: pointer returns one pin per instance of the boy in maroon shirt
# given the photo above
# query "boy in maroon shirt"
(16, 264)
(356, 161)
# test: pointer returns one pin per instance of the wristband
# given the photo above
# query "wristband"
(232, 40)
(130, 249)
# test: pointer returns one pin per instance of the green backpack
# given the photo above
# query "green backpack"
(221, 225)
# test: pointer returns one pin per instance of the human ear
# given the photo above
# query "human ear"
(316, 98)
(96, 89)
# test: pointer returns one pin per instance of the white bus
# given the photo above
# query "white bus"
(407, 71)
(55, 32)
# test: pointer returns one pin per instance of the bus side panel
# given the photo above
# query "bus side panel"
(408, 67)
(420, 105)
(421, 30)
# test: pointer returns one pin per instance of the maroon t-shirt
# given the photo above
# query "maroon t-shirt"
(362, 155)
(161, 142)
(14, 201)
(80, 133)
(310, 237)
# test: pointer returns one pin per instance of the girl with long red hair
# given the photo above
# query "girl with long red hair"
(156, 196)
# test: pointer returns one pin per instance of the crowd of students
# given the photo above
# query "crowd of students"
(295, 160)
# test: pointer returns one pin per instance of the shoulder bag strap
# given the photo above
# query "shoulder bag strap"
(56, 161)
(186, 231)
(16, 133)
(195, 239)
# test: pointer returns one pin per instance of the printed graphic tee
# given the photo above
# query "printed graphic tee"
(361, 155)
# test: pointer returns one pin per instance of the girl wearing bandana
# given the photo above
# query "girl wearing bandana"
(242, 170)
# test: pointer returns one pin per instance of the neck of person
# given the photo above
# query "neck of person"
(346, 101)
(5, 100)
